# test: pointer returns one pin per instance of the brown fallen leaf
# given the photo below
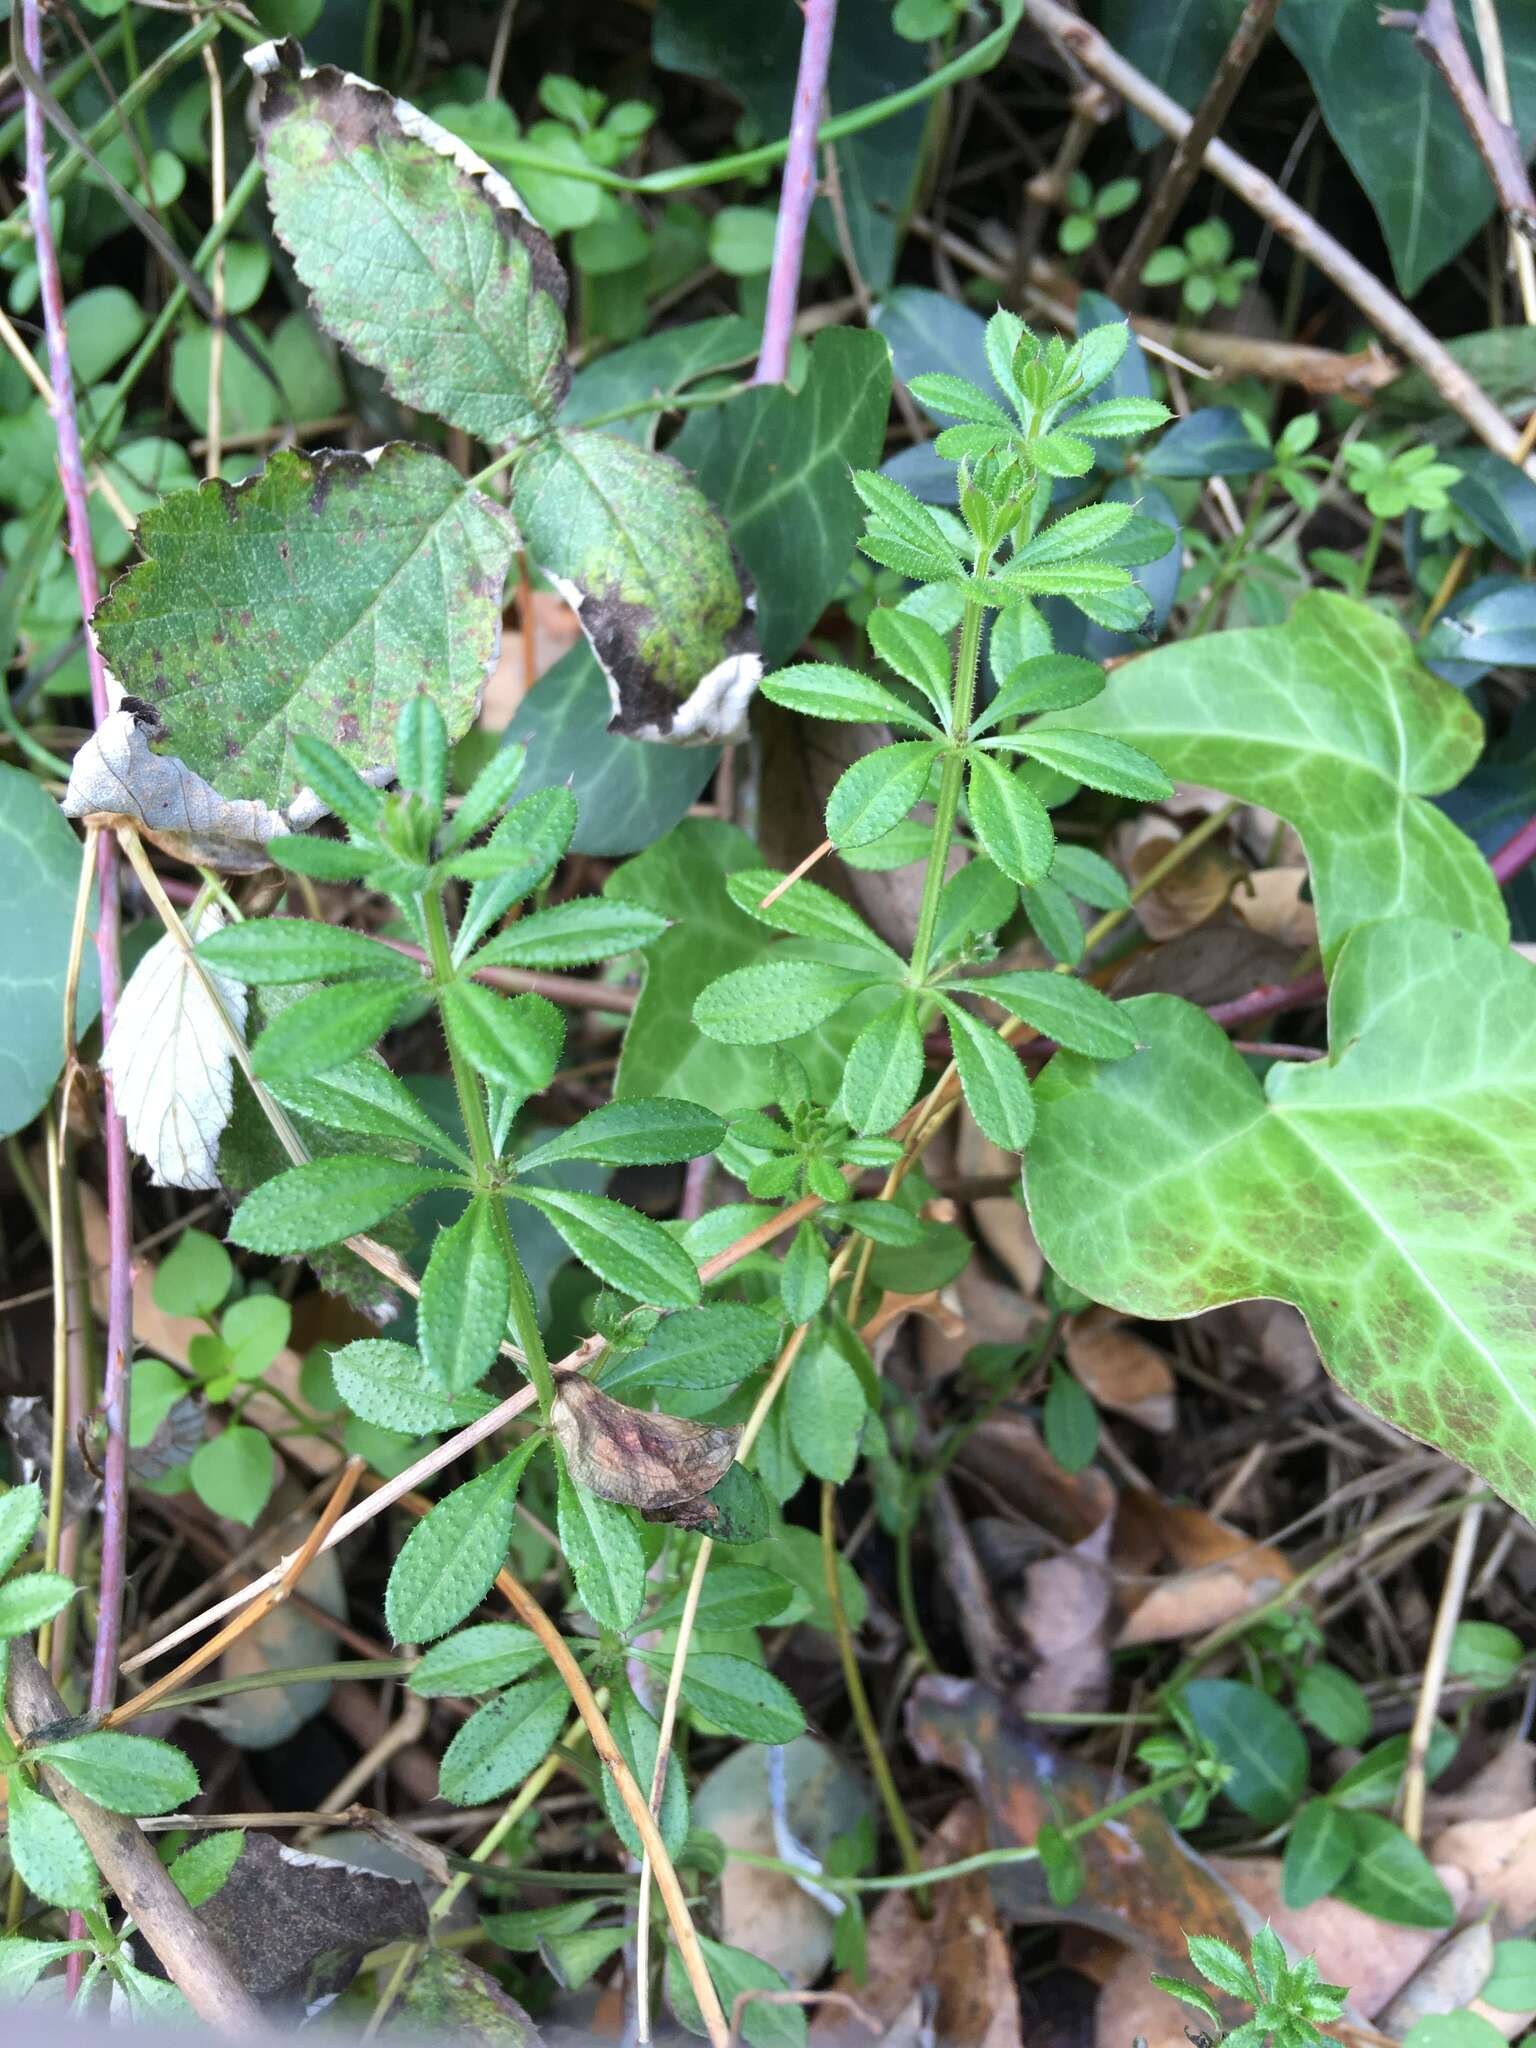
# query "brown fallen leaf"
(655, 1462)
(1002, 1220)
(1374, 1958)
(1453, 1975)
(1505, 1786)
(931, 1306)
(1122, 1371)
(556, 629)
(1064, 1614)
(1496, 1860)
(961, 1953)
(1220, 959)
(1192, 893)
(1007, 1453)
(1269, 900)
(989, 1313)
(1142, 1882)
(1221, 1573)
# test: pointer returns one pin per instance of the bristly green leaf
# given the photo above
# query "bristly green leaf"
(327, 1029)
(642, 1131)
(774, 999)
(1049, 682)
(910, 646)
(124, 1773)
(486, 798)
(390, 1385)
(1220, 1964)
(520, 854)
(421, 750)
(821, 690)
(996, 1090)
(1076, 534)
(30, 1600)
(809, 911)
(878, 791)
(47, 1850)
(500, 1744)
(575, 934)
(462, 1315)
(21, 1509)
(1011, 822)
(959, 399)
(449, 1561)
(364, 1096)
(421, 261)
(1094, 758)
(477, 1660)
(885, 1068)
(327, 1200)
(1190, 1994)
(268, 952)
(803, 1281)
(510, 1038)
(309, 601)
(199, 1871)
(621, 1246)
(1069, 1421)
(738, 1696)
(1074, 1013)
(825, 1410)
(601, 1544)
(713, 1346)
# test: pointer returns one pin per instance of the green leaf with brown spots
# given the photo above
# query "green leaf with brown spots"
(1387, 1190)
(315, 598)
(1332, 721)
(420, 259)
(646, 561)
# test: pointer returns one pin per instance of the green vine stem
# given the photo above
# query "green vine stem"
(947, 804)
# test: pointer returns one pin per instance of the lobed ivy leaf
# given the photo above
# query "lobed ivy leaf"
(1384, 1191)
(1332, 721)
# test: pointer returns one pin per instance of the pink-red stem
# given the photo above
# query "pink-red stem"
(798, 193)
(114, 1517)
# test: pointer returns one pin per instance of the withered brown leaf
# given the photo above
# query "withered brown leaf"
(654, 1462)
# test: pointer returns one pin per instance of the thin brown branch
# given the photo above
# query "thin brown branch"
(1437, 36)
(1381, 307)
(1172, 189)
(193, 1960)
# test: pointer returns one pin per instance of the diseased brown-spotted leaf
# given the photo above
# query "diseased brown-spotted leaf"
(654, 1462)
(420, 258)
(450, 1998)
(315, 598)
(646, 562)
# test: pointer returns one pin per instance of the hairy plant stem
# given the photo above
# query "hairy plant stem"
(948, 802)
(482, 1150)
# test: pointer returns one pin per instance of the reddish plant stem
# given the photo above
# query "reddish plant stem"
(114, 1517)
(1516, 853)
(798, 193)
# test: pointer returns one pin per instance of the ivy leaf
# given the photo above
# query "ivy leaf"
(449, 1561)
(645, 560)
(326, 1200)
(42, 871)
(124, 1773)
(314, 598)
(1400, 1166)
(421, 260)
(777, 464)
(501, 1743)
(628, 1250)
(601, 1544)
(1331, 721)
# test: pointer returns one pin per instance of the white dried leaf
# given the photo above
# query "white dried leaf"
(171, 1062)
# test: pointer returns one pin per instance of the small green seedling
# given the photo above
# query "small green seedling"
(1291, 2005)
(1204, 269)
